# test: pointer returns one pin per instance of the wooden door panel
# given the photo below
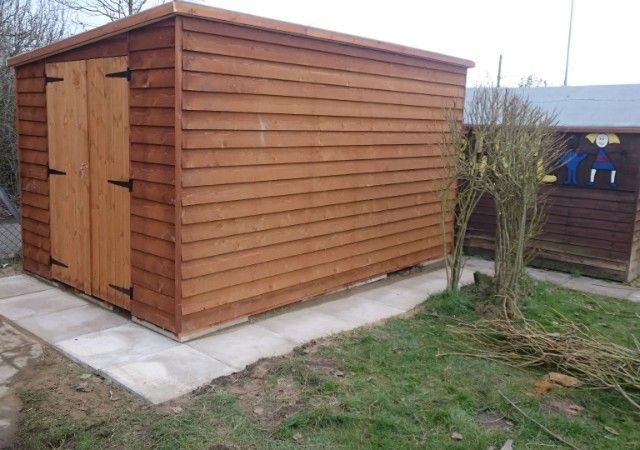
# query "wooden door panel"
(69, 182)
(108, 111)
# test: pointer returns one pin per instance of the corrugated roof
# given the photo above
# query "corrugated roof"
(605, 107)
(181, 8)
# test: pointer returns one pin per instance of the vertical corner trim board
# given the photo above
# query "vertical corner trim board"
(152, 97)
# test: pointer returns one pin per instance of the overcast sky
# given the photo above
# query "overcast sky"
(531, 35)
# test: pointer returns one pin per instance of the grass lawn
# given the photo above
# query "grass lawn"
(378, 387)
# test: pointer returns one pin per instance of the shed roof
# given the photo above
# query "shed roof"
(589, 108)
(180, 8)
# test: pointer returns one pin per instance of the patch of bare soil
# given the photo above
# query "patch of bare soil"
(56, 384)
(493, 421)
(268, 394)
(266, 398)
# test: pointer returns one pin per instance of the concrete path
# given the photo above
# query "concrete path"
(160, 369)
(577, 283)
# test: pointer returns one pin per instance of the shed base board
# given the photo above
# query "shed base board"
(211, 330)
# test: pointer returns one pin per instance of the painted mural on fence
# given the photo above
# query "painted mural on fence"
(601, 163)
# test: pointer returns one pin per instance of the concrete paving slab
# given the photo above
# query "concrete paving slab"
(397, 297)
(243, 345)
(72, 322)
(479, 264)
(303, 325)
(358, 310)
(600, 287)
(168, 374)
(424, 285)
(549, 276)
(115, 346)
(38, 304)
(20, 285)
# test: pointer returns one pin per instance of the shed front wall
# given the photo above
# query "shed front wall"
(593, 230)
(306, 165)
(150, 52)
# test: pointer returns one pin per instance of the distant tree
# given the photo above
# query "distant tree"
(532, 81)
(24, 25)
(111, 9)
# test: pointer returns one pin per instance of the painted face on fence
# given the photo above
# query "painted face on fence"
(602, 140)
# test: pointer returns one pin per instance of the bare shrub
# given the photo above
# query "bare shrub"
(463, 185)
(522, 148)
(24, 25)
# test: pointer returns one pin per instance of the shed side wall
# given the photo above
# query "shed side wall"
(306, 166)
(588, 229)
(34, 160)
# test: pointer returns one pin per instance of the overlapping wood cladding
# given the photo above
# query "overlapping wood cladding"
(306, 165)
(152, 108)
(34, 161)
(590, 230)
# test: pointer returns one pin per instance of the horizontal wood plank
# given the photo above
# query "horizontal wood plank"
(262, 238)
(204, 82)
(238, 121)
(301, 249)
(260, 286)
(223, 45)
(298, 42)
(220, 228)
(302, 291)
(243, 174)
(231, 65)
(253, 207)
(224, 102)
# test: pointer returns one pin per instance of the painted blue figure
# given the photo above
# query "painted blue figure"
(602, 161)
(571, 160)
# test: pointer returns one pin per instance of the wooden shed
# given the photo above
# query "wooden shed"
(593, 212)
(196, 166)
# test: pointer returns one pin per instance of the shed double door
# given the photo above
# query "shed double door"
(89, 179)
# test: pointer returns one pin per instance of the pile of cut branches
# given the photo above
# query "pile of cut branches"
(576, 351)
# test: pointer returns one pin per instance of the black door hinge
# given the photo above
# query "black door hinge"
(124, 74)
(55, 262)
(125, 184)
(128, 291)
(48, 79)
(51, 171)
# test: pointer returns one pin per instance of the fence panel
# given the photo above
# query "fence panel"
(10, 232)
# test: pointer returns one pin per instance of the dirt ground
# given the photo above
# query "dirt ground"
(79, 395)
(17, 352)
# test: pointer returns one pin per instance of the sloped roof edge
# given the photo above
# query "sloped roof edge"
(180, 8)
(614, 107)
